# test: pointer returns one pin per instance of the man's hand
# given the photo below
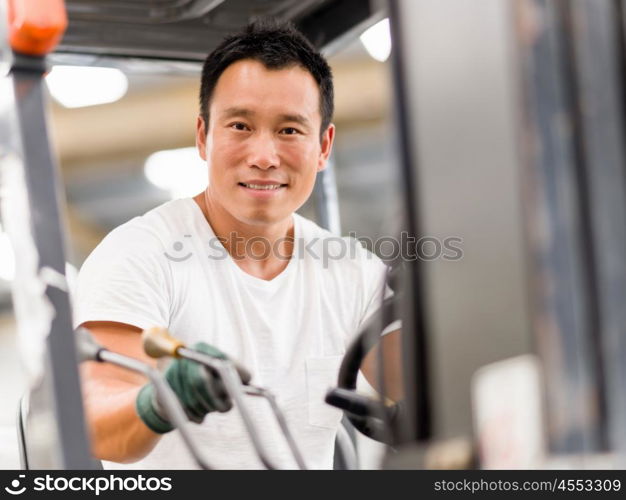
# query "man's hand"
(199, 390)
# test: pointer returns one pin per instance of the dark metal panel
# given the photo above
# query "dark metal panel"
(565, 313)
(596, 31)
(142, 11)
(188, 29)
(335, 19)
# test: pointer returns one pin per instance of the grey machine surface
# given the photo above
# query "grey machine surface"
(511, 135)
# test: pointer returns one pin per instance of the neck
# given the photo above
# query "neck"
(262, 250)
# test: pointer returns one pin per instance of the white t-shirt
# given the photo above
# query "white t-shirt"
(167, 268)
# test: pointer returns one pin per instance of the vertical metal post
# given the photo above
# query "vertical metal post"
(416, 423)
(58, 394)
(597, 33)
(327, 200)
(455, 99)
(54, 431)
(566, 313)
(44, 194)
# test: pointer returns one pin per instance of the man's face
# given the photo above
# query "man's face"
(263, 143)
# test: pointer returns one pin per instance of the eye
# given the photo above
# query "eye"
(239, 126)
(289, 131)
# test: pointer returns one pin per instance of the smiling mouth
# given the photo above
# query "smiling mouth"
(262, 187)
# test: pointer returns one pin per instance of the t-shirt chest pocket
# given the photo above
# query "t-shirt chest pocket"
(321, 375)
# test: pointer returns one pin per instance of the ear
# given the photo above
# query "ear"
(201, 137)
(327, 145)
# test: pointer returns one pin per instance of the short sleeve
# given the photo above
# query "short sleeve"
(125, 280)
(374, 279)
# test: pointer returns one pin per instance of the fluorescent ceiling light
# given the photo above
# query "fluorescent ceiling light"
(180, 171)
(377, 40)
(78, 86)
(7, 257)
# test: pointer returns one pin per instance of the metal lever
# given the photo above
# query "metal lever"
(159, 343)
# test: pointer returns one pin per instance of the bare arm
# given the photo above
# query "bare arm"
(391, 345)
(117, 433)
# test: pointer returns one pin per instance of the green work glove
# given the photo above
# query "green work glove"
(200, 391)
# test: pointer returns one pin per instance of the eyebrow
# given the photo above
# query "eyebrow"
(231, 112)
(297, 118)
(247, 113)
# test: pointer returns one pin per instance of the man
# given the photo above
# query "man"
(236, 269)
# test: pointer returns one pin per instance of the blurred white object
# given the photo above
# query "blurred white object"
(377, 40)
(79, 86)
(7, 257)
(180, 171)
(32, 308)
(508, 418)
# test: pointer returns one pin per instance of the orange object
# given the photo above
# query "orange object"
(36, 26)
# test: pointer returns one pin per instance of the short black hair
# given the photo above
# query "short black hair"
(277, 45)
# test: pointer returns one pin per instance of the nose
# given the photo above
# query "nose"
(263, 153)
